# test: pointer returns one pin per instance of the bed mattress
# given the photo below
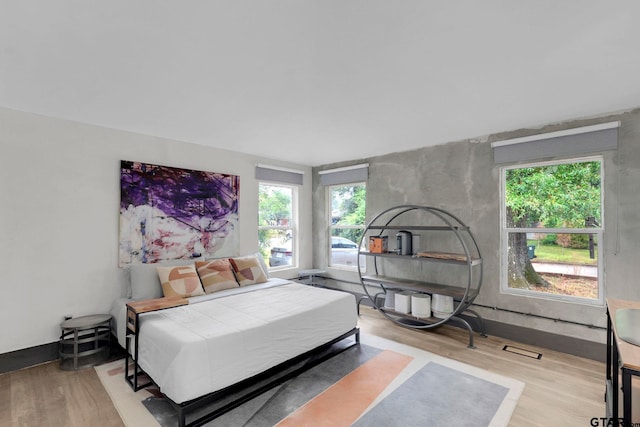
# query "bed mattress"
(222, 338)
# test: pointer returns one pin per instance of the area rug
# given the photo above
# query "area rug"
(379, 383)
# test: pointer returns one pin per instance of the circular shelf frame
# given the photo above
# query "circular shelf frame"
(472, 259)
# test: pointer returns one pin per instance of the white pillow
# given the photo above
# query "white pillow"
(145, 283)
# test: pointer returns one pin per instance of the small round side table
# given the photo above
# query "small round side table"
(85, 341)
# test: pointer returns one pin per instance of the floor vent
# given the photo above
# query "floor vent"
(522, 352)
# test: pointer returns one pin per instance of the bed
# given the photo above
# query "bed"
(202, 350)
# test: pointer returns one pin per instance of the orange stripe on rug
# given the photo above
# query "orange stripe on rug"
(343, 402)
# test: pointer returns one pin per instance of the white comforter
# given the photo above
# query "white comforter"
(222, 338)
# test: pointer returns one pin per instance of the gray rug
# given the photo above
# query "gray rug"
(437, 396)
(427, 390)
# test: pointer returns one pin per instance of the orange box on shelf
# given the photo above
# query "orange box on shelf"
(378, 244)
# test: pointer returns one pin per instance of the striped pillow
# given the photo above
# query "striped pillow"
(216, 275)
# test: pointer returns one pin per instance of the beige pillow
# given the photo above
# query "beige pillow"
(248, 270)
(180, 281)
(216, 275)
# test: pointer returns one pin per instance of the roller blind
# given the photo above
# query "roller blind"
(569, 142)
(355, 173)
(278, 174)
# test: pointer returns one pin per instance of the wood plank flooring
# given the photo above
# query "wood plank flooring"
(560, 389)
(45, 396)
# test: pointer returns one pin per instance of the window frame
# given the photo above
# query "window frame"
(331, 227)
(293, 224)
(505, 231)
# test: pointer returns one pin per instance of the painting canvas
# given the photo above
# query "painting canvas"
(170, 213)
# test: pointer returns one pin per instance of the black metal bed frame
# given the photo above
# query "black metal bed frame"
(231, 397)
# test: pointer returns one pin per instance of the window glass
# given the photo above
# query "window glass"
(347, 207)
(276, 225)
(552, 228)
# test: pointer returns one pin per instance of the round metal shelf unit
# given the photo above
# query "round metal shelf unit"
(427, 219)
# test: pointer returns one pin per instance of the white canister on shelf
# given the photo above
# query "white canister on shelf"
(442, 306)
(421, 305)
(390, 300)
(403, 302)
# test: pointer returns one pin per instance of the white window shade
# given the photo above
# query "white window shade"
(345, 175)
(278, 174)
(571, 142)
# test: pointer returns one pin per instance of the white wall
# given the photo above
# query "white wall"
(59, 189)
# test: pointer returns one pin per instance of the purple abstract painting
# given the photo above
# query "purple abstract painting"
(171, 213)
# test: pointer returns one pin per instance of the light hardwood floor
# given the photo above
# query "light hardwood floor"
(561, 390)
(45, 396)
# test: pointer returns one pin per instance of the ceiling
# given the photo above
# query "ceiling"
(319, 81)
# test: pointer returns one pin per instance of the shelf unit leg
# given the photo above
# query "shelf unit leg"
(362, 298)
(483, 331)
(466, 325)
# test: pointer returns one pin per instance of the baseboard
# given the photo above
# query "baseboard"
(19, 359)
(27, 357)
(533, 337)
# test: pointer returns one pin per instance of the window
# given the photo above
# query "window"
(347, 211)
(276, 225)
(551, 228)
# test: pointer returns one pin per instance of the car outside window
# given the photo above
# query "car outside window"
(346, 204)
(276, 225)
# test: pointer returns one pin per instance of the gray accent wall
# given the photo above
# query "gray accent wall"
(461, 177)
